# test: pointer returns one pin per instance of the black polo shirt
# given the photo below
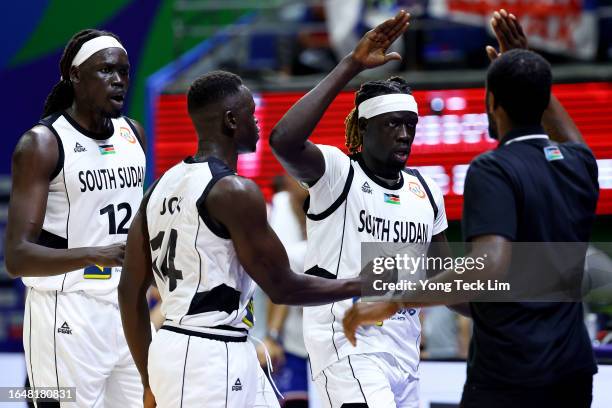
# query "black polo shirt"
(527, 193)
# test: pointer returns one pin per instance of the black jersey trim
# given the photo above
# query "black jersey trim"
(221, 298)
(50, 240)
(359, 159)
(136, 132)
(48, 123)
(218, 170)
(195, 292)
(337, 271)
(55, 341)
(218, 337)
(335, 204)
(226, 373)
(320, 272)
(358, 383)
(185, 369)
(418, 175)
(67, 223)
(326, 390)
(89, 133)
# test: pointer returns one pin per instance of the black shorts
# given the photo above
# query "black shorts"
(576, 392)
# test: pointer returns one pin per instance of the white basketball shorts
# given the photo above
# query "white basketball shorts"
(187, 369)
(75, 340)
(374, 380)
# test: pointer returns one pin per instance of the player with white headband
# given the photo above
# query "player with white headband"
(368, 196)
(77, 181)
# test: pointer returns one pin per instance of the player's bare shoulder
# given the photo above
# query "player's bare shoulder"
(234, 197)
(39, 147)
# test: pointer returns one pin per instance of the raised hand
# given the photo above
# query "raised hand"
(366, 313)
(508, 32)
(371, 50)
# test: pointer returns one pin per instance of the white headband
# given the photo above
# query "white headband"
(94, 45)
(387, 103)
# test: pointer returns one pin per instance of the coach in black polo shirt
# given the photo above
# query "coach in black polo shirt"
(529, 189)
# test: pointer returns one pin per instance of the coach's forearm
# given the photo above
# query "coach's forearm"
(292, 131)
(137, 329)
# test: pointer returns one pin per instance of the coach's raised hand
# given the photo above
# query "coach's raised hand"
(508, 32)
(371, 50)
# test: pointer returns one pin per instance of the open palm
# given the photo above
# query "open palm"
(371, 51)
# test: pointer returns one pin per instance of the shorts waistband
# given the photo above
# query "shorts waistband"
(210, 336)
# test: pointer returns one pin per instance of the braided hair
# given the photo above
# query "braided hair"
(368, 90)
(62, 94)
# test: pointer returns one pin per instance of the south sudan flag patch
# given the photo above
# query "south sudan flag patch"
(392, 198)
(106, 149)
(553, 153)
(97, 272)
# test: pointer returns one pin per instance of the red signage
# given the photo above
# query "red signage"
(447, 139)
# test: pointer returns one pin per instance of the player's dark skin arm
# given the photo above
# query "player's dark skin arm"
(498, 254)
(556, 121)
(238, 204)
(441, 249)
(289, 138)
(136, 278)
(34, 161)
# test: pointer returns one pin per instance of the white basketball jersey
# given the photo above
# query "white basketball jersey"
(336, 227)
(202, 284)
(93, 196)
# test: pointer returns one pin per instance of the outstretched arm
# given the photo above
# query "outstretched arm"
(289, 138)
(237, 203)
(556, 121)
(494, 248)
(34, 162)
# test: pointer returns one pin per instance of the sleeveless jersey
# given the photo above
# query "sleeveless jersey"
(202, 284)
(93, 195)
(347, 206)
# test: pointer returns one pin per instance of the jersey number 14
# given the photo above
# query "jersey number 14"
(167, 270)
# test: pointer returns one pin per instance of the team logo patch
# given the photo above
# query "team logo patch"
(64, 329)
(97, 272)
(553, 153)
(78, 148)
(106, 149)
(366, 188)
(127, 135)
(250, 312)
(416, 189)
(392, 198)
(237, 385)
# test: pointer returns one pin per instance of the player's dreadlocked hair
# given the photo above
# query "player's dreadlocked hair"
(62, 94)
(393, 85)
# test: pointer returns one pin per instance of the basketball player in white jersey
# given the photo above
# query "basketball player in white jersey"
(77, 180)
(202, 234)
(365, 197)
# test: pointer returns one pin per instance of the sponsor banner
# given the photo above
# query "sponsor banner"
(566, 27)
